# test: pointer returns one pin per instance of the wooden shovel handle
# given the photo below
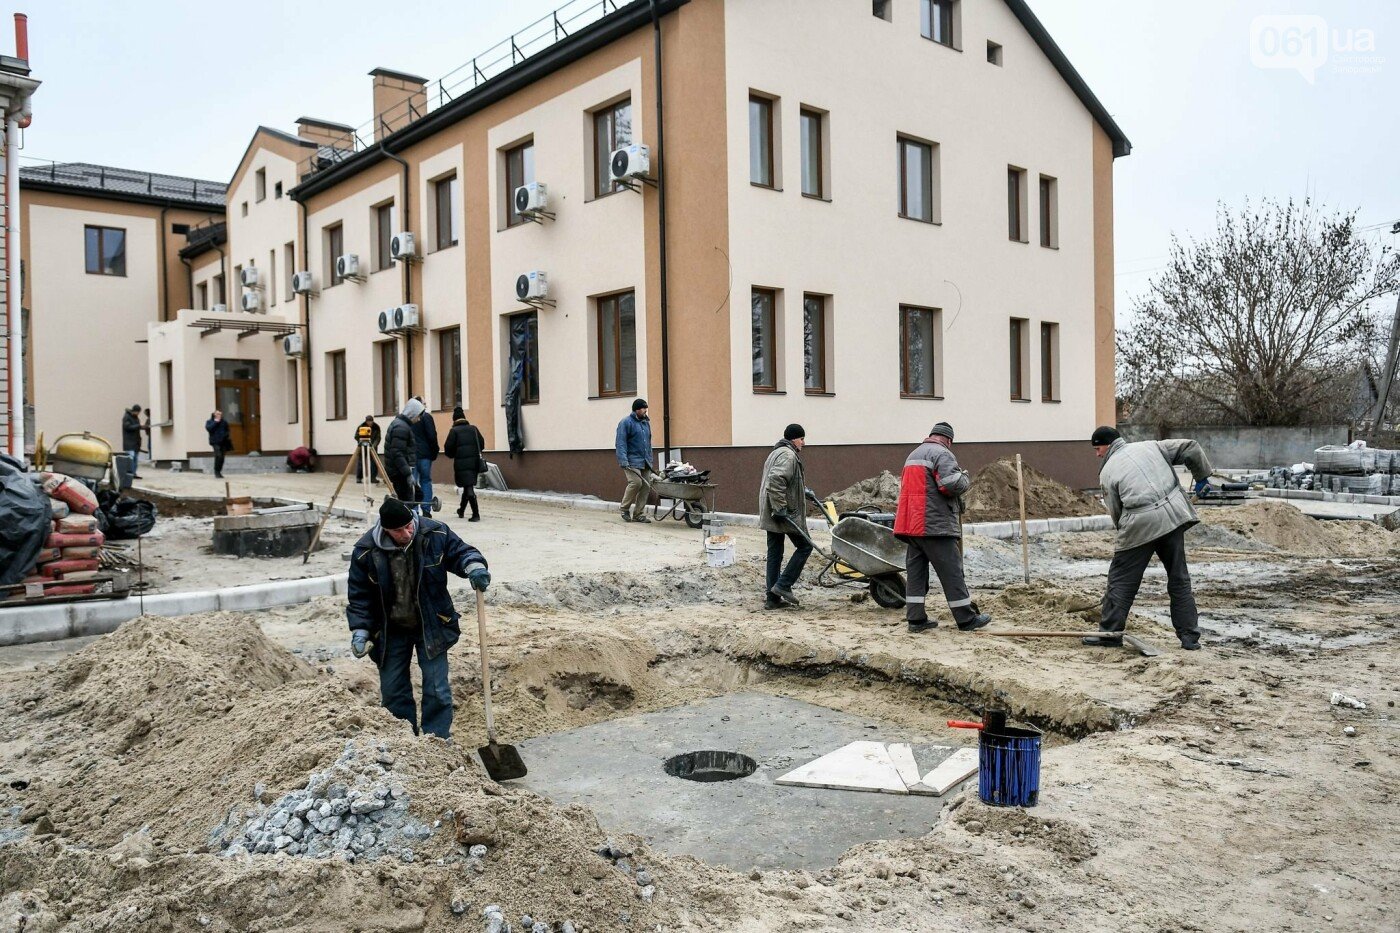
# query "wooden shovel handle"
(485, 667)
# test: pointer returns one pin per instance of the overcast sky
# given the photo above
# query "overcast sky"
(1203, 88)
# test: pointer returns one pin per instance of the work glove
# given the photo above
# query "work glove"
(782, 515)
(1203, 487)
(359, 643)
(480, 579)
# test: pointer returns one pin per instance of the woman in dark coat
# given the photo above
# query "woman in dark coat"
(467, 448)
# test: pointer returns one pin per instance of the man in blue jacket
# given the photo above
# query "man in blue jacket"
(425, 442)
(398, 604)
(634, 456)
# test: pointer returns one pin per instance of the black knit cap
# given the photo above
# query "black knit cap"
(639, 404)
(793, 431)
(942, 429)
(458, 414)
(1104, 435)
(394, 514)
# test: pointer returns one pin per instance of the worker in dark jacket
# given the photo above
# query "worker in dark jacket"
(398, 604)
(633, 447)
(426, 447)
(929, 522)
(1151, 512)
(367, 431)
(220, 440)
(782, 513)
(131, 436)
(401, 450)
(467, 448)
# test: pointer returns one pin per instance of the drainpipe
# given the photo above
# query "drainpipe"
(306, 334)
(189, 278)
(164, 284)
(661, 219)
(407, 275)
(12, 295)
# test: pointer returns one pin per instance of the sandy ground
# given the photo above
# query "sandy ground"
(1211, 790)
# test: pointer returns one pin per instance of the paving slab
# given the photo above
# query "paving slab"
(616, 768)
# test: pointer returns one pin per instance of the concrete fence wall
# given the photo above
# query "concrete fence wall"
(1235, 447)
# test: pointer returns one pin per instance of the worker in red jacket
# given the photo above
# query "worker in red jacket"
(929, 522)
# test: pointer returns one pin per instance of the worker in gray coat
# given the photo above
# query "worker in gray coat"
(782, 513)
(1151, 512)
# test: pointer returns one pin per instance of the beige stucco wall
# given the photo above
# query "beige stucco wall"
(270, 225)
(856, 249)
(441, 273)
(203, 270)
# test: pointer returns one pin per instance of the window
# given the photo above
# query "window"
(272, 277)
(260, 185)
(167, 392)
(612, 130)
(1020, 350)
(765, 340)
(936, 20)
(1049, 212)
(220, 297)
(277, 190)
(523, 339)
(920, 352)
(1049, 362)
(993, 53)
(335, 248)
(520, 171)
(445, 200)
(238, 277)
(289, 263)
(881, 9)
(245, 208)
(293, 389)
(105, 249)
(387, 369)
(813, 126)
(1016, 204)
(335, 390)
(617, 345)
(814, 336)
(383, 236)
(917, 178)
(449, 367)
(761, 141)
(180, 229)
(201, 299)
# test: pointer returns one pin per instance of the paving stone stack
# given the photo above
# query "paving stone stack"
(1367, 471)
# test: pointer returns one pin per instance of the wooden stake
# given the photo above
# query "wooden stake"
(1025, 545)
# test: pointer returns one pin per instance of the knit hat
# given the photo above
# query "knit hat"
(639, 404)
(458, 414)
(412, 409)
(394, 514)
(793, 431)
(1104, 435)
(942, 429)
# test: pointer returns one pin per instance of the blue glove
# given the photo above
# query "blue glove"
(480, 579)
(359, 643)
(1203, 486)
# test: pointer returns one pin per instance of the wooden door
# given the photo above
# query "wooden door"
(241, 403)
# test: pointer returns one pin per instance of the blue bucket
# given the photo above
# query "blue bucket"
(1008, 772)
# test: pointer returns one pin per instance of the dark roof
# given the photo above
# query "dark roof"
(202, 239)
(1121, 145)
(400, 75)
(122, 184)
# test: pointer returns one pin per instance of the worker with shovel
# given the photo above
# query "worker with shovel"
(398, 604)
(929, 521)
(1151, 512)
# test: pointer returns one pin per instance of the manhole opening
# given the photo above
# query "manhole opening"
(710, 766)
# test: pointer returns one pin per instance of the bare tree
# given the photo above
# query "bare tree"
(1261, 322)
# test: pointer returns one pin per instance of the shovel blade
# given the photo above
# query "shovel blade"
(502, 762)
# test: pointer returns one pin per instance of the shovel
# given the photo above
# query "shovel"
(503, 762)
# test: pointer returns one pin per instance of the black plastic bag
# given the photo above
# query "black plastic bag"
(123, 518)
(25, 520)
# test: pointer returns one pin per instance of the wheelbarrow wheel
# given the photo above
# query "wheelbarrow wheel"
(694, 514)
(888, 591)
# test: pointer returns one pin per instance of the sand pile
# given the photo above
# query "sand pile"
(992, 498)
(880, 493)
(1282, 526)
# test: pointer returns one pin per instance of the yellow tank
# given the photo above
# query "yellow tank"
(82, 455)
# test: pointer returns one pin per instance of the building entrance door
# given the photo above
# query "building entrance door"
(237, 395)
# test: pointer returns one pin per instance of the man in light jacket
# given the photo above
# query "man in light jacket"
(782, 513)
(929, 522)
(633, 447)
(1151, 512)
(401, 451)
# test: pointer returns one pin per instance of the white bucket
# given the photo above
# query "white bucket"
(719, 551)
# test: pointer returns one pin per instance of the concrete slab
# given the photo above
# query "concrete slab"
(864, 766)
(616, 769)
(951, 772)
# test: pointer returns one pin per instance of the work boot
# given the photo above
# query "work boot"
(774, 603)
(1190, 646)
(974, 623)
(1102, 641)
(625, 516)
(921, 625)
(641, 519)
(474, 518)
(785, 594)
(461, 513)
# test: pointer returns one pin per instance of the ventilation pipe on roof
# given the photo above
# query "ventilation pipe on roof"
(22, 51)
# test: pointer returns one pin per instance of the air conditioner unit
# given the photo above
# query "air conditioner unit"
(249, 277)
(291, 345)
(303, 282)
(386, 321)
(219, 309)
(531, 198)
(403, 246)
(252, 301)
(405, 317)
(630, 162)
(531, 285)
(347, 266)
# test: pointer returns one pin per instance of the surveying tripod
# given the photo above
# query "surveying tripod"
(368, 460)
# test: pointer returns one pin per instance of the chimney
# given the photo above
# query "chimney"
(326, 133)
(399, 99)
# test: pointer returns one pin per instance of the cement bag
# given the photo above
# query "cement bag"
(47, 554)
(58, 568)
(66, 489)
(59, 509)
(79, 553)
(76, 525)
(124, 519)
(61, 541)
(24, 521)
